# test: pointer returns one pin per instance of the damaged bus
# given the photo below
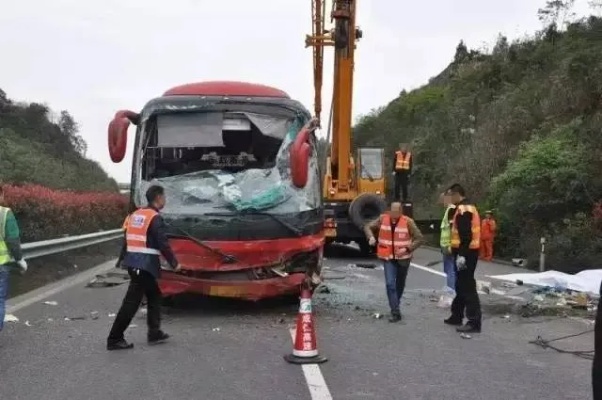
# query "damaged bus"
(239, 165)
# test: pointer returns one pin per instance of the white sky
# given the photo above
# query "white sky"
(94, 57)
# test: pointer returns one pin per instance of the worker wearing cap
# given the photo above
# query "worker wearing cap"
(398, 237)
(10, 250)
(597, 366)
(488, 230)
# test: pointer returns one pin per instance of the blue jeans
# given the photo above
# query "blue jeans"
(449, 268)
(3, 294)
(396, 272)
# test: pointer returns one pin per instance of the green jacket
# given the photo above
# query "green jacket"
(445, 238)
(11, 235)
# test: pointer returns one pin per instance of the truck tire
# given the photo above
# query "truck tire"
(365, 208)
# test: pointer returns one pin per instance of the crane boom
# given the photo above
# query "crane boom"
(342, 37)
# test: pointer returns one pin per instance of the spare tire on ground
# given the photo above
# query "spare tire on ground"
(365, 208)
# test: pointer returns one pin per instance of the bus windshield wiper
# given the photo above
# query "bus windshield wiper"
(228, 259)
(291, 228)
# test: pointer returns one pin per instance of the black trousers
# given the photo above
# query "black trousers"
(142, 283)
(401, 185)
(597, 367)
(467, 298)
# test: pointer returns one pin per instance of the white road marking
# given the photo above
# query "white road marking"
(314, 378)
(44, 292)
(427, 269)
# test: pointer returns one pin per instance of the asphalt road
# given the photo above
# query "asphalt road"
(224, 350)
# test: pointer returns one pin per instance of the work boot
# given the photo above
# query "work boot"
(469, 328)
(395, 316)
(455, 321)
(157, 337)
(119, 345)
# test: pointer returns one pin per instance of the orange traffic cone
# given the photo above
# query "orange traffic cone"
(305, 350)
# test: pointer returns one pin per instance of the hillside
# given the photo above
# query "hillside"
(520, 128)
(40, 149)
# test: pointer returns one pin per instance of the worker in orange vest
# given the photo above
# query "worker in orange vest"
(146, 240)
(488, 229)
(398, 237)
(402, 170)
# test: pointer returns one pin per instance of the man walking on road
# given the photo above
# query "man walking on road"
(398, 237)
(402, 169)
(488, 229)
(10, 250)
(146, 240)
(465, 244)
(597, 367)
(445, 242)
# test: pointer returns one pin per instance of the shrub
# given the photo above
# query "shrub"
(43, 213)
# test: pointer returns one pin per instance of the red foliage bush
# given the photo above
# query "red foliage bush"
(44, 213)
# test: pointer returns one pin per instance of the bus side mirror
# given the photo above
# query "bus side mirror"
(300, 152)
(117, 134)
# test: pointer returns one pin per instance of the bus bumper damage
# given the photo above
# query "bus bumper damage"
(262, 268)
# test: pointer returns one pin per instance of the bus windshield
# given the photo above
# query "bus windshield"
(223, 161)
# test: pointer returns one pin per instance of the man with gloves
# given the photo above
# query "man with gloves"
(465, 245)
(10, 250)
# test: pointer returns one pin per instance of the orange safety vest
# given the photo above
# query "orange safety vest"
(393, 245)
(402, 162)
(475, 242)
(488, 229)
(136, 231)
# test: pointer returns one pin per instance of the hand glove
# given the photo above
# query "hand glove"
(372, 241)
(22, 266)
(461, 263)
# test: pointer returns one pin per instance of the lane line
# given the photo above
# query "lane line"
(316, 384)
(37, 295)
(427, 269)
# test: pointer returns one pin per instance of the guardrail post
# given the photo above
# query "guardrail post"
(542, 255)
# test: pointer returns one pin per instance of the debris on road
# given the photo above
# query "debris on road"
(51, 303)
(94, 315)
(27, 323)
(377, 316)
(366, 265)
(216, 329)
(322, 289)
(10, 318)
(112, 315)
(109, 279)
(465, 336)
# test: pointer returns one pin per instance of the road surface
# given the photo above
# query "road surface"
(222, 350)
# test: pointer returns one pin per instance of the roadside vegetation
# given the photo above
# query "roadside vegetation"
(52, 187)
(520, 127)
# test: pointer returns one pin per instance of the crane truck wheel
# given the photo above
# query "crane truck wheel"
(365, 208)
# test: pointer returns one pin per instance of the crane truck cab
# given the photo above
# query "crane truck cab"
(238, 162)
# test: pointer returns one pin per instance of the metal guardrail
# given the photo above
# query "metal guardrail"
(54, 246)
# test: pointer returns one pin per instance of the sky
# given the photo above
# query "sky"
(95, 57)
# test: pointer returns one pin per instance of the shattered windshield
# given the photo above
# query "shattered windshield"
(221, 161)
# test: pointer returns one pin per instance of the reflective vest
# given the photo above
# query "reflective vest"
(136, 231)
(488, 227)
(402, 162)
(475, 242)
(393, 245)
(445, 238)
(4, 254)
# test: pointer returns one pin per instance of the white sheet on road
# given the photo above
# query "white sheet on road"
(585, 281)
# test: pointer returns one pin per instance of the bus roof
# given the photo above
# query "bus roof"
(226, 88)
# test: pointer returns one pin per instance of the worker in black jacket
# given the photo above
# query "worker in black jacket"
(465, 244)
(146, 239)
(597, 367)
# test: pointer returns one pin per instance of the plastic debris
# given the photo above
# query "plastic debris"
(216, 329)
(51, 303)
(10, 318)
(27, 323)
(112, 315)
(465, 336)
(377, 316)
